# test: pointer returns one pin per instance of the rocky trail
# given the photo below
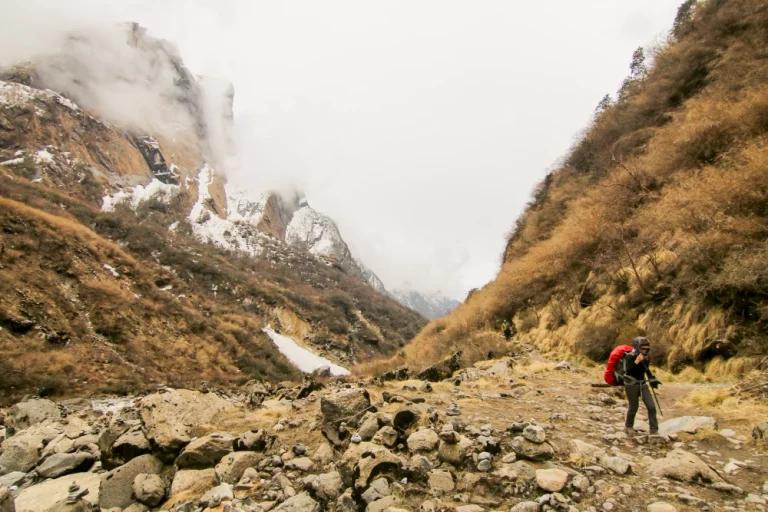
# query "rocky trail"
(513, 434)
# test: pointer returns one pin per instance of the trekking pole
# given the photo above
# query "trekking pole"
(661, 413)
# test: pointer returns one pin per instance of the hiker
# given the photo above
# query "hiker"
(632, 371)
(507, 330)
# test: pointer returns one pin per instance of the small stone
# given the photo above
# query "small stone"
(378, 489)
(423, 441)
(525, 506)
(534, 434)
(149, 489)
(552, 480)
(356, 438)
(453, 410)
(661, 506)
(387, 435)
(615, 464)
(509, 458)
(441, 481)
(484, 465)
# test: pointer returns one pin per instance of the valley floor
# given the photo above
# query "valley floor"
(554, 442)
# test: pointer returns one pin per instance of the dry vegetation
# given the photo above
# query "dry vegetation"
(69, 325)
(656, 221)
(115, 302)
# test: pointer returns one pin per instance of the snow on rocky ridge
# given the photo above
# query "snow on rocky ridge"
(238, 231)
(431, 306)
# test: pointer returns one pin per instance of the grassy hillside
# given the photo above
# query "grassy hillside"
(656, 220)
(95, 301)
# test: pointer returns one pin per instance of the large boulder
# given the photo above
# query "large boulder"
(6, 500)
(170, 416)
(365, 460)
(63, 463)
(688, 424)
(149, 489)
(31, 412)
(585, 454)
(326, 487)
(685, 467)
(347, 406)
(231, 467)
(618, 465)
(194, 481)
(45, 495)
(20, 453)
(116, 487)
(535, 434)
(455, 453)
(253, 440)
(300, 503)
(424, 440)
(109, 435)
(443, 369)
(128, 446)
(525, 449)
(204, 452)
(440, 481)
(369, 425)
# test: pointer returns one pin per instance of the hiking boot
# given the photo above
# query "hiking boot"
(654, 432)
(629, 431)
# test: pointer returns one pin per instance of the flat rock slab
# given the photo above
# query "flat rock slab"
(552, 480)
(170, 416)
(688, 424)
(62, 463)
(685, 467)
(31, 412)
(45, 495)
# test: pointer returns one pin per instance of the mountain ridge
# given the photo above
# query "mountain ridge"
(103, 237)
(654, 223)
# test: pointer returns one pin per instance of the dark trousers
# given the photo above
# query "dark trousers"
(634, 392)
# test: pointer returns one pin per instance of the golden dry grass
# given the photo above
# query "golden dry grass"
(737, 412)
(653, 227)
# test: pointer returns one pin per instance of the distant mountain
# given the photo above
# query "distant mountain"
(133, 261)
(431, 306)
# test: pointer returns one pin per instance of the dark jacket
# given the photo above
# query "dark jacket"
(633, 370)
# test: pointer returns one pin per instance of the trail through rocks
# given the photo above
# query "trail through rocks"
(513, 434)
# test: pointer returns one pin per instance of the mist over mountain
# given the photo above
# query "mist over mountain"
(148, 265)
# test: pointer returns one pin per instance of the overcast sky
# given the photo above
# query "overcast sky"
(420, 126)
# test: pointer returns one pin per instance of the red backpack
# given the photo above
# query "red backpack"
(613, 359)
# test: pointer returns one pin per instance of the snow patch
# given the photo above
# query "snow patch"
(43, 157)
(155, 189)
(225, 233)
(19, 95)
(114, 272)
(240, 206)
(303, 359)
(14, 161)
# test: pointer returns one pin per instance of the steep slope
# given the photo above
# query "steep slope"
(431, 306)
(656, 221)
(109, 280)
